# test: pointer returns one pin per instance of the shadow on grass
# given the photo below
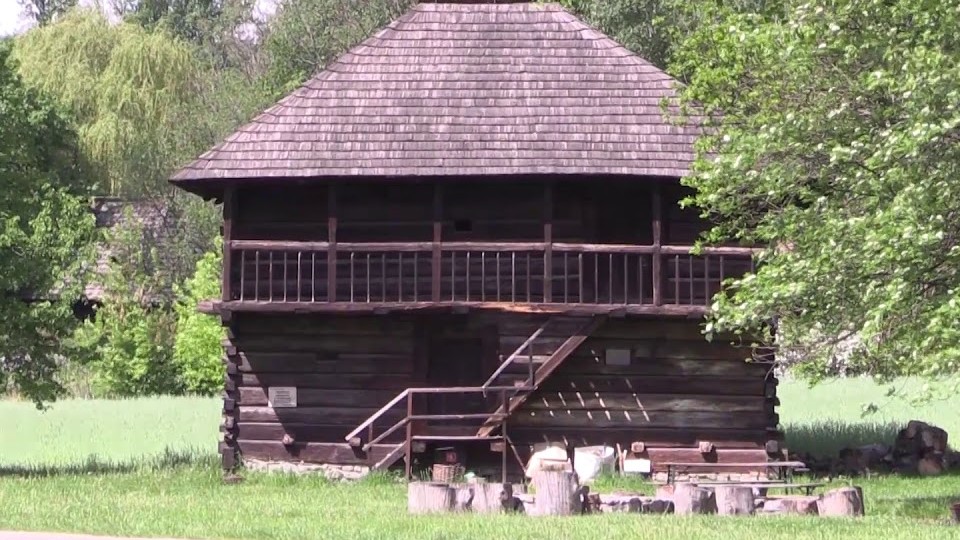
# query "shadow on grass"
(95, 465)
(826, 439)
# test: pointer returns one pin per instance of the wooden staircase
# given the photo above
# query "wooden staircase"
(517, 377)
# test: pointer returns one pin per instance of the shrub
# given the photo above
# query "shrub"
(196, 351)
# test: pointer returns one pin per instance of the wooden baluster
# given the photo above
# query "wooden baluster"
(640, 277)
(513, 276)
(721, 272)
(256, 275)
(580, 277)
(416, 276)
(313, 276)
(690, 269)
(299, 272)
(528, 277)
(285, 264)
(383, 277)
(243, 268)
(596, 278)
(656, 270)
(400, 276)
(566, 279)
(498, 277)
(467, 298)
(352, 271)
(408, 450)
(436, 259)
(368, 278)
(483, 276)
(453, 275)
(332, 243)
(548, 244)
(503, 433)
(271, 276)
(610, 279)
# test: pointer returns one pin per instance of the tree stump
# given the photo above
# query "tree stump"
(955, 513)
(464, 495)
(430, 497)
(488, 498)
(691, 499)
(734, 500)
(847, 501)
(557, 493)
(799, 505)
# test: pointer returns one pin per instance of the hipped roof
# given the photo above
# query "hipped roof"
(460, 89)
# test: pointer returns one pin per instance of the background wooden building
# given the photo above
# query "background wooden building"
(465, 231)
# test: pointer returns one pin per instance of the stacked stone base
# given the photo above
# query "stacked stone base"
(331, 472)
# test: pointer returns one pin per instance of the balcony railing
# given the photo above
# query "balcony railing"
(480, 272)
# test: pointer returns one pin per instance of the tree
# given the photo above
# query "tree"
(45, 233)
(834, 139)
(306, 35)
(197, 349)
(44, 11)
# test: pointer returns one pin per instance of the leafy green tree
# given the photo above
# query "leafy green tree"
(197, 349)
(835, 141)
(45, 234)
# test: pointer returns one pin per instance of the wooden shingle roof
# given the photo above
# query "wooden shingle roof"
(466, 89)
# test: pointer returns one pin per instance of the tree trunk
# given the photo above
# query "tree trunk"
(799, 505)
(691, 499)
(734, 500)
(557, 493)
(847, 501)
(430, 497)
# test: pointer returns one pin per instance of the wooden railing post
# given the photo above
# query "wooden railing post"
(332, 241)
(229, 211)
(548, 243)
(656, 273)
(408, 442)
(435, 267)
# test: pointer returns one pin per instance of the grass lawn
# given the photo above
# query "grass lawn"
(155, 474)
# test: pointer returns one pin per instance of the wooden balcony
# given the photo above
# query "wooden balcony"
(526, 276)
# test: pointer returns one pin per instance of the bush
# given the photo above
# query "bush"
(196, 351)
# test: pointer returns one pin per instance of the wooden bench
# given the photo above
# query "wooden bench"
(783, 469)
(807, 487)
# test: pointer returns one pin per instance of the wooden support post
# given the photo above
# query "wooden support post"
(408, 440)
(437, 238)
(229, 215)
(332, 240)
(657, 227)
(548, 243)
(503, 433)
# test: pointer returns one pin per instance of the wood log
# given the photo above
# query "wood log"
(846, 501)
(464, 496)
(557, 493)
(799, 505)
(430, 498)
(486, 497)
(692, 499)
(734, 500)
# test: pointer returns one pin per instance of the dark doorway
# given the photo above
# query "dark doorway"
(456, 362)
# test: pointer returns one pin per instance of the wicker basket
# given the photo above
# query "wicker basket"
(446, 473)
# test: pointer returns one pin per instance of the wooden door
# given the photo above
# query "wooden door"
(456, 362)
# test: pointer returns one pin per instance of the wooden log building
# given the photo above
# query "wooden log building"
(465, 232)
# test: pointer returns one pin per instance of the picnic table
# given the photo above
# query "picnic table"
(783, 469)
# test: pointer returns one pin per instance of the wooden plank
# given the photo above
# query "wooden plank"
(343, 414)
(302, 432)
(446, 306)
(654, 436)
(645, 384)
(625, 419)
(323, 325)
(584, 365)
(548, 243)
(646, 350)
(542, 401)
(309, 380)
(360, 363)
(313, 452)
(314, 397)
(326, 347)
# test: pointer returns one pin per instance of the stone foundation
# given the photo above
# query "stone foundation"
(331, 472)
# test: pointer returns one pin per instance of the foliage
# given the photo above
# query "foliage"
(197, 349)
(306, 35)
(838, 148)
(44, 11)
(45, 233)
(130, 340)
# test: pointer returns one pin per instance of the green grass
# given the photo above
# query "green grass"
(148, 467)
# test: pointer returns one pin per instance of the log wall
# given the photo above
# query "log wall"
(676, 391)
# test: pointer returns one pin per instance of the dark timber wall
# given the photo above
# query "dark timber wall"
(677, 389)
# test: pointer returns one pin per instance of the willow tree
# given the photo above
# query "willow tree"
(836, 142)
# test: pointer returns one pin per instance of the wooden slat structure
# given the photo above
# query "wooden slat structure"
(466, 232)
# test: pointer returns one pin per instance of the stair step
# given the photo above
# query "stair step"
(457, 438)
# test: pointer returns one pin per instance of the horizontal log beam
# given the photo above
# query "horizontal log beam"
(333, 453)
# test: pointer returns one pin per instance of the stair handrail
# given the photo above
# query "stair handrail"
(506, 363)
(373, 417)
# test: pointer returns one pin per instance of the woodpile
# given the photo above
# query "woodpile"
(557, 493)
(919, 448)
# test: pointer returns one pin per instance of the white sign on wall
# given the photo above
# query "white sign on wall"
(282, 396)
